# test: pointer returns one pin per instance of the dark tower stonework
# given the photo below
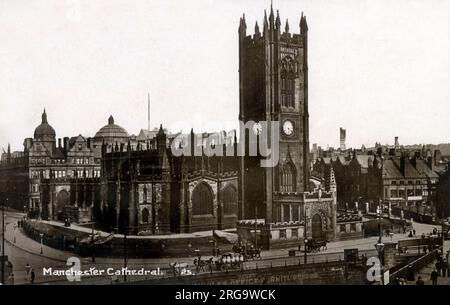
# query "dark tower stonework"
(273, 83)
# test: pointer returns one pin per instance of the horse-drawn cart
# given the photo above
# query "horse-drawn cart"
(229, 261)
(313, 245)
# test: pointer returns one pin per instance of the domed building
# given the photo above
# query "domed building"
(44, 132)
(111, 135)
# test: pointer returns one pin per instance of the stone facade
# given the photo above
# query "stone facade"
(273, 82)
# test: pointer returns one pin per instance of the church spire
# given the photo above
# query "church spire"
(286, 29)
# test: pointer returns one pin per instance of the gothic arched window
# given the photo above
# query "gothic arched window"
(230, 200)
(288, 69)
(288, 178)
(202, 200)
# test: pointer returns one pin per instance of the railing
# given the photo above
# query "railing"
(414, 266)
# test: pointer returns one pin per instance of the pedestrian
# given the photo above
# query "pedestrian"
(27, 268)
(32, 276)
(425, 249)
(438, 267)
(11, 279)
(444, 267)
(434, 276)
(414, 232)
(410, 273)
(420, 281)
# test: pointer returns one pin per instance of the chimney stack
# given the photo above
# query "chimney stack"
(66, 144)
(430, 163)
(402, 164)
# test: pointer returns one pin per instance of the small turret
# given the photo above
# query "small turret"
(265, 23)
(278, 21)
(161, 139)
(303, 25)
(286, 28)
(44, 117)
(257, 33)
(333, 186)
(8, 155)
(242, 27)
(271, 17)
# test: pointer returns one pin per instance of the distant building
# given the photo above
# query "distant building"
(342, 137)
(403, 181)
(47, 176)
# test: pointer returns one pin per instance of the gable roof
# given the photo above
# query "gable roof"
(390, 170)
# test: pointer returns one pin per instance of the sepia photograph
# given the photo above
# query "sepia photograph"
(249, 145)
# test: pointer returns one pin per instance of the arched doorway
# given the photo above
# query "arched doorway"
(317, 232)
(62, 199)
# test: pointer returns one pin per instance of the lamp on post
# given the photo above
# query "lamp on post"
(3, 241)
(305, 238)
(379, 246)
(42, 241)
(125, 254)
(93, 243)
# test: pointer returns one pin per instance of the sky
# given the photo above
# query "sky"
(377, 68)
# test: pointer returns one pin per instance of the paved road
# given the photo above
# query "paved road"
(26, 251)
(20, 258)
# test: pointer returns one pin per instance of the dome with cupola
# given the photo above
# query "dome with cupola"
(44, 131)
(111, 132)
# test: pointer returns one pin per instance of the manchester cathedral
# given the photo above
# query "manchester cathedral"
(137, 184)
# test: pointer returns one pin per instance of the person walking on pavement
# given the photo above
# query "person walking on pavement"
(27, 268)
(434, 276)
(438, 267)
(32, 276)
(443, 267)
(11, 279)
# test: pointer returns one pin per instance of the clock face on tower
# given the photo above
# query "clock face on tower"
(288, 128)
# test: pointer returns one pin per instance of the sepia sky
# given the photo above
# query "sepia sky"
(377, 68)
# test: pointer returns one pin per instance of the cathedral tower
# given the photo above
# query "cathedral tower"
(273, 84)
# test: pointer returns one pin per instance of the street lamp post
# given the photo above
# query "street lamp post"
(305, 239)
(93, 243)
(256, 227)
(379, 245)
(3, 241)
(125, 255)
(42, 242)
